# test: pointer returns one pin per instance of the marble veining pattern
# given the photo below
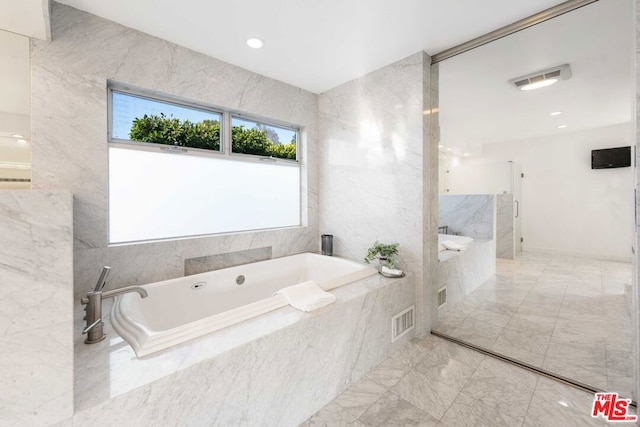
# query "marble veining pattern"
(554, 312)
(371, 159)
(36, 287)
(230, 259)
(482, 392)
(505, 226)
(276, 369)
(463, 272)
(469, 215)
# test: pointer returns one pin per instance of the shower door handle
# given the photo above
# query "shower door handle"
(517, 209)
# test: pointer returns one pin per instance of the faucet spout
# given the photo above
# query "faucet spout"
(93, 302)
(139, 289)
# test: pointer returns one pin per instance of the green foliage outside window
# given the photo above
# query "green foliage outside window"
(206, 135)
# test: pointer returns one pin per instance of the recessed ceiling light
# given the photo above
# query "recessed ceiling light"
(466, 154)
(562, 126)
(449, 149)
(555, 113)
(255, 43)
(22, 141)
(17, 135)
(440, 146)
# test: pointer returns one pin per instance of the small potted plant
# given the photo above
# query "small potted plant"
(387, 255)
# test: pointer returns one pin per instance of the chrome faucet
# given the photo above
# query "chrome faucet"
(93, 302)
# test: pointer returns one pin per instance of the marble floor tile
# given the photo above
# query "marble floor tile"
(357, 398)
(411, 354)
(332, 415)
(526, 326)
(528, 348)
(446, 350)
(543, 413)
(455, 386)
(392, 410)
(570, 370)
(591, 356)
(449, 372)
(495, 307)
(469, 411)
(504, 387)
(389, 372)
(477, 332)
(488, 316)
(433, 398)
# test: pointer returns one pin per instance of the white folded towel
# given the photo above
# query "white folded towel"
(453, 246)
(391, 271)
(306, 296)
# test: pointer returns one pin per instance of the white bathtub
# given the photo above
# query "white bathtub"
(461, 240)
(181, 309)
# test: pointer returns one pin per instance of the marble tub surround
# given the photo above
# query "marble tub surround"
(472, 215)
(433, 382)
(567, 315)
(276, 369)
(225, 260)
(69, 137)
(36, 314)
(463, 272)
(505, 226)
(374, 160)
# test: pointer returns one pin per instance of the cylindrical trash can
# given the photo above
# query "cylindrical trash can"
(327, 244)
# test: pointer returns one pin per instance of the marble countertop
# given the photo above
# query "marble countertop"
(111, 368)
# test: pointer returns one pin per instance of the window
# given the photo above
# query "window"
(251, 137)
(209, 181)
(141, 119)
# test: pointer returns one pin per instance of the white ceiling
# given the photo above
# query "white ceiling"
(478, 106)
(26, 17)
(315, 45)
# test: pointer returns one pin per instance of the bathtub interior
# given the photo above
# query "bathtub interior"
(192, 298)
(461, 240)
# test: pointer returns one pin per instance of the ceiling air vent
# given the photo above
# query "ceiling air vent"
(542, 78)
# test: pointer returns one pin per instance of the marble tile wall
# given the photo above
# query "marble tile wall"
(276, 369)
(431, 186)
(469, 215)
(229, 259)
(505, 227)
(69, 137)
(373, 163)
(36, 314)
(463, 272)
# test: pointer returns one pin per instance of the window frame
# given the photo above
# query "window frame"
(226, 117)
(224, 153)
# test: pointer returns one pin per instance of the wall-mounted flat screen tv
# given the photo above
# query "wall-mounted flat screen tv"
(618, 157)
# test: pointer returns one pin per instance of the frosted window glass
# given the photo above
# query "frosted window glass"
(155, 195)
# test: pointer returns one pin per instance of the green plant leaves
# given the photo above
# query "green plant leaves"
(381, 250)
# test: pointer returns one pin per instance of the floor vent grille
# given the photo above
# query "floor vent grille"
(442, 297)
(402, 323)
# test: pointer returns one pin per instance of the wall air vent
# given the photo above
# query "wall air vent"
(442, 297)
(542, 78)
(402, 323)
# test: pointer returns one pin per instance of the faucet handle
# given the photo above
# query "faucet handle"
(103, 278)
(91, 326)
